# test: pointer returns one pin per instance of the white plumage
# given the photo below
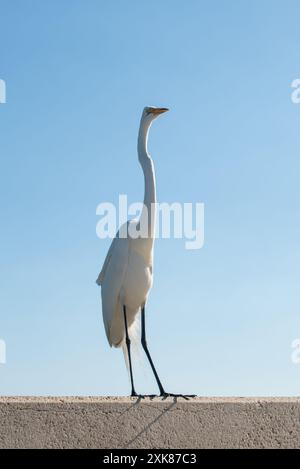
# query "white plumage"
(126, 278)
(127, 272)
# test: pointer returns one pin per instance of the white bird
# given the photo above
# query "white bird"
(127, 273)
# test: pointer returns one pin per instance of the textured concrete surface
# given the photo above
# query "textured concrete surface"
(90, 422)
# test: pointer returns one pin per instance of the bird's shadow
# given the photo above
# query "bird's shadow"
(149, 425)
(134, 404)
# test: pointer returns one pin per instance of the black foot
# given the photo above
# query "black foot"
(144, 396)
(164, 395)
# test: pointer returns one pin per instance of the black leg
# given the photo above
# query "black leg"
(163, 393)
(133, 393)
(144, 344)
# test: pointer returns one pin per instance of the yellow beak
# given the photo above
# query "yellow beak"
(159, 110)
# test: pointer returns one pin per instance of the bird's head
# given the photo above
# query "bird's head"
(150, 112)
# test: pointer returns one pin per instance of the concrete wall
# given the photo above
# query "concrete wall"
(127, 423)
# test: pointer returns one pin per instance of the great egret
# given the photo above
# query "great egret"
(126, 276)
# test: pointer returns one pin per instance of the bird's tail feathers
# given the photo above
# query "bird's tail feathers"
(134, 332)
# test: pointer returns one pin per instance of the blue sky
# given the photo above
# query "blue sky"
(78, 73)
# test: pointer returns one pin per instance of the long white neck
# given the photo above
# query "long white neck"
(149, 176)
